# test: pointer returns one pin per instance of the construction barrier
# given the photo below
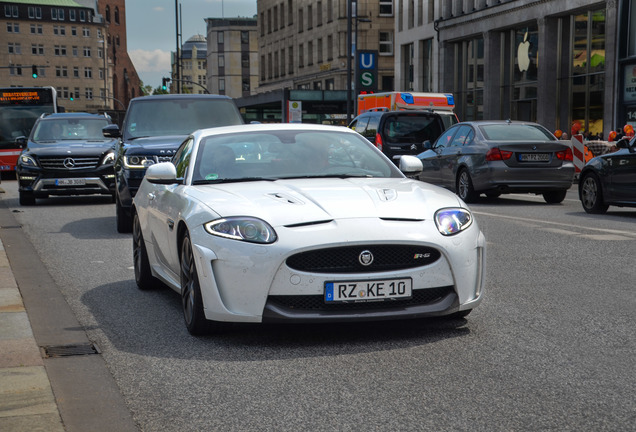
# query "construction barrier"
(578, 152)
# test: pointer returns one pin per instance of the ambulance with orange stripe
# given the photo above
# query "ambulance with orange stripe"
(441, 103)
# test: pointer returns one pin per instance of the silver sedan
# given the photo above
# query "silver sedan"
(498, 157)
(302, 223)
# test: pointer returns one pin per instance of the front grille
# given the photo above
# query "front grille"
(346, 259)
(68, 163)
(316, 303)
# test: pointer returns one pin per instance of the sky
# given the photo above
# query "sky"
(150, 26)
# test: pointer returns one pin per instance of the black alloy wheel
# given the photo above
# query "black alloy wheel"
(591, 194)
(465, 188)
(191, 299)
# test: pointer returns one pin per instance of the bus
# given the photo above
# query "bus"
(20, 107)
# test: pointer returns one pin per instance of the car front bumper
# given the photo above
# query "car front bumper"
(244, 282)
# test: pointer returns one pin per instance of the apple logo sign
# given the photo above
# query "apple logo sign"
(523, 58)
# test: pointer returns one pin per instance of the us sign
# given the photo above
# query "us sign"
(367, 73)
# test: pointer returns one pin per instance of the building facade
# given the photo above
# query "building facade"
(64, 40)
(232, 56)
(123, 80)
(193, 64)
(303, 44)
(549, 61)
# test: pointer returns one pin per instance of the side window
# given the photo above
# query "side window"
(372, 127)
(469, 137)
(461, 136)
(181, 158)
(445, 139)
(361, 125)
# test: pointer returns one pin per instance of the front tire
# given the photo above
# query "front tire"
(191, 299)
(26, 198)
(465, 188)
(591, 195)
(143, 275)
(555, 197)
(124, 220)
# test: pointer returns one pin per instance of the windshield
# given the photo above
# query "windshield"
(273, 155)
(516, 132)
(412, 128)
(17, 121)
(69, 129)
(160, 117)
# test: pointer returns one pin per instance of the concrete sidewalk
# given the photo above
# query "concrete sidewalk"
(26, 398)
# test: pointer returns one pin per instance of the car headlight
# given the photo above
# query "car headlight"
(109, 158)
(28, 161)
(450, 221)
(138, 162)
(242, 228)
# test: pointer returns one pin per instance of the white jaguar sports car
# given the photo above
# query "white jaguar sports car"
(302, 223)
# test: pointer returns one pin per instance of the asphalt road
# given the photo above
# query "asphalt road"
(551, 347)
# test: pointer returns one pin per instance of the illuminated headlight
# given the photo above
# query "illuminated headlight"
(27, 161)
(242, 228)
(109, 159)
(450, 221)
(138, 162)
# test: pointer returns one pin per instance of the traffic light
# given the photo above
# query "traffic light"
(164, 83)
(34, 71)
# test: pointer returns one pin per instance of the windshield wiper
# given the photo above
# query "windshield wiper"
(233, 180)
(340, 176)
(134, 138)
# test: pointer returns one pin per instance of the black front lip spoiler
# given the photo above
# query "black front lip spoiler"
(274, 313)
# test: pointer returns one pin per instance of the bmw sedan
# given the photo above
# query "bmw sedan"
(610, 179)
(302, 223)
(499, 157)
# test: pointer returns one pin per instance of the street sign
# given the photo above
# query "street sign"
(367, 71)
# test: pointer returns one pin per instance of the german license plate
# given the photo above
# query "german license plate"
(374, 290)
(534, 157)
(70, 182)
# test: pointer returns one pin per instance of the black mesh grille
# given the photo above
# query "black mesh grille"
(317, 302)
(347, 259)
(71, 162)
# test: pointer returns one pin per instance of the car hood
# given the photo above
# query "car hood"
(154, 145)
(70, 147)
(289, 202)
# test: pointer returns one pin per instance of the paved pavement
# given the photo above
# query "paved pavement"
(26, 398)
(52, 377)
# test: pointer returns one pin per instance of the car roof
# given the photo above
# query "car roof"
(74, 115)
(180, 96)
(265, 127)
(495, 122)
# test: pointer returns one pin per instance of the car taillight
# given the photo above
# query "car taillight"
(378, 141)
(495, 154)
(565, 155)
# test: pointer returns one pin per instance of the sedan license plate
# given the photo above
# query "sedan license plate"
(70, 182)
(534, 157)
(373, 290)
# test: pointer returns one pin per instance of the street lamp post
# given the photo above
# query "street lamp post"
(103, 42)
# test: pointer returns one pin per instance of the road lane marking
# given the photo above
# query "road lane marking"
(609, 234)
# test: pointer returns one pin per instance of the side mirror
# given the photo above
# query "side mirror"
(427, 145)
(111, 131)
(162, 173)
(410, 165)
(21, 142)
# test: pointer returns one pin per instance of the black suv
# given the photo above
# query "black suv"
(399, 133)
(152, 130)
(66, 154)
